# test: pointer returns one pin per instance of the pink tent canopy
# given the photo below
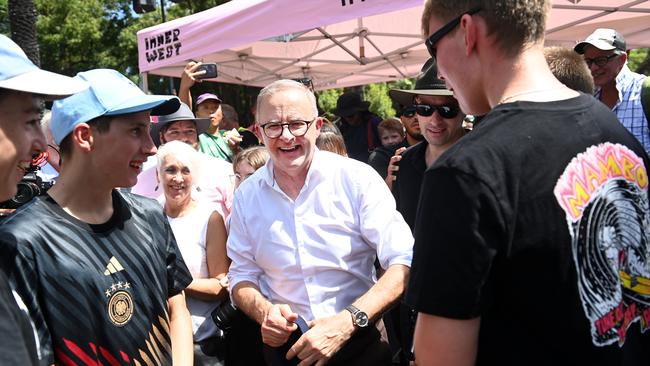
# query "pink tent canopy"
(341, 42)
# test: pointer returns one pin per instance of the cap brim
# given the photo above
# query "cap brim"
(601, 45)
(405, 97)
(202, 125)
(50, 85)
(159, 105)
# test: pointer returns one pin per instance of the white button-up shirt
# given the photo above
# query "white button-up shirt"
(316, 253)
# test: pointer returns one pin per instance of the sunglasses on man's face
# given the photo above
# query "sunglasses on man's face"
(446, 29)
(445, 111)
(408, 112)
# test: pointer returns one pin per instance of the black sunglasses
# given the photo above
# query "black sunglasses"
(408, 112)
(445, 111)
(437, 36)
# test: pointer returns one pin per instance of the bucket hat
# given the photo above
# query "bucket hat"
(427, 84)
(182, 114)
(350, 103)
(18, 73)
(110, 94)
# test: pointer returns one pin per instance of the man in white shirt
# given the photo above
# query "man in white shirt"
(305, 231)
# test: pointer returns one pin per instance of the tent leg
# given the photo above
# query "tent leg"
(144, 82)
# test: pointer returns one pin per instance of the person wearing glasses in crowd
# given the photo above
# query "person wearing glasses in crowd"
(616, 85)
(530, 236)
(23, 87)
(312, 248)
(440, 120)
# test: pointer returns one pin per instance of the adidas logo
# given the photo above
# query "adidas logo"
(113, 266)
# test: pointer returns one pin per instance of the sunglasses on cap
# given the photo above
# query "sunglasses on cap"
(446, 29)
(445, 111)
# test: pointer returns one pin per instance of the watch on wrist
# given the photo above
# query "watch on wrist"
(359, 318)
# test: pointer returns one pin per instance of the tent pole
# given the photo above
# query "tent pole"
(144, 82)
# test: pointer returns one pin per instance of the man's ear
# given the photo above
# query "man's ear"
(82, 136)
(468, 25)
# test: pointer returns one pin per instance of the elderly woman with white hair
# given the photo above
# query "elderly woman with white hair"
(201, 236)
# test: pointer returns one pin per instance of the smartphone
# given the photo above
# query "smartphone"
(210, 71)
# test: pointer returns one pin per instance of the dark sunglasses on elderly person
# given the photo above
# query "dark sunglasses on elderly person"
(445, 111)
(446, 29)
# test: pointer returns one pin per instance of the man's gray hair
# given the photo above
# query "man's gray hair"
(286, 84)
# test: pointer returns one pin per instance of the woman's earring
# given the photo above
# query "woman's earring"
(156, 188)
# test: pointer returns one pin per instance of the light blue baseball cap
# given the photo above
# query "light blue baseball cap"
(18, 73)
(110, 94)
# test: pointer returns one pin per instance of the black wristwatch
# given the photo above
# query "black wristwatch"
(359, 318)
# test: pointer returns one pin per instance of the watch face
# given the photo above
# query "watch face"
(361, 319)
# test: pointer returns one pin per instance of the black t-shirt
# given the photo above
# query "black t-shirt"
(406, 188)
(380, 157)
(17, 344)
(536, 222)
(97, 293)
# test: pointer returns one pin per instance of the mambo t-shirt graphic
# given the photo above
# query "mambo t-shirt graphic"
(163, 45)
(603, 192)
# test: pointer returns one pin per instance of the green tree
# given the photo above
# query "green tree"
(22, 20)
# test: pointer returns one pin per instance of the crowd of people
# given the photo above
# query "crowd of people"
(499, 219)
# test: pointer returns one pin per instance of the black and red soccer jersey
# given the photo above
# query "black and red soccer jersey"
(96, 293)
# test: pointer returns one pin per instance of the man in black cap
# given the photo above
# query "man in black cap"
(358, 125)
(616, 85)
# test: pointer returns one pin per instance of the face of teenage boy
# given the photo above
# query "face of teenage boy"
(123, 149)
(20, 138)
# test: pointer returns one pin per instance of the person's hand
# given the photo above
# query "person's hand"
(225, 283)
(393, 165)
(233, 138)
(190, 75)
(278, 325)
(324, 338)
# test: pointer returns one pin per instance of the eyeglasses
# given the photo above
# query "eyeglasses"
(298, 128)
(408, 112)
(437, 36)
(600, 61)
(445, 111)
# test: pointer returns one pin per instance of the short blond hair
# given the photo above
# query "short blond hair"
(514, 23)
(569, 68)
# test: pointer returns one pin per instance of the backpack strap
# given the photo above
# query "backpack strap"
(645, 97)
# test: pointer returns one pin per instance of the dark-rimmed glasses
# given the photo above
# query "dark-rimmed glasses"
(600, 61)
(445, 111)
(437, 36)
(297, 127)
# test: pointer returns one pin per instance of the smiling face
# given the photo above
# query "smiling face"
(184, 131)
(607, 73)
(291, 155)
(20, 137)
(176, 179)
(121, 151)
(439, 131)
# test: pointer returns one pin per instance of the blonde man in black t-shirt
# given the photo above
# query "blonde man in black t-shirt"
(531, 233)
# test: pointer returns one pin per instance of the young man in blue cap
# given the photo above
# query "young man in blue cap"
(99, 269)
(22, 88)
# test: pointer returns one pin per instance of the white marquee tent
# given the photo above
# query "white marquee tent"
(341, 43)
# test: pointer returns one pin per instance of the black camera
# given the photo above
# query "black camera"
(29, 187)
(225, 315)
